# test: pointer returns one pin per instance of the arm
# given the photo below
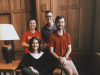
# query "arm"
(24, 44)
(24, 38)
(68, 51)
(63, 59)
(52, 52)
(23, 62)
(33, 70)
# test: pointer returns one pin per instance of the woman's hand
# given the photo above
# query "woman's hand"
(63, 60)
(33, 70)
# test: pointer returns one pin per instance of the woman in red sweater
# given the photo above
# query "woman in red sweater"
(32, 23)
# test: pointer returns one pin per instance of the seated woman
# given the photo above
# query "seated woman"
(35, 62)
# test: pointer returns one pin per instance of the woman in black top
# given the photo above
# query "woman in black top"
(36, 62)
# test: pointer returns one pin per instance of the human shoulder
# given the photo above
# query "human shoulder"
(26, 32)
(45, 27)
(27, 54)
(53, 34)
(67, 34)
(44, 54)
(37, 32)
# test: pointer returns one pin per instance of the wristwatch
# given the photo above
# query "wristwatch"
(66, 57)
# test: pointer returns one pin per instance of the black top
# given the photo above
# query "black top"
(46, 31)
(40, 64)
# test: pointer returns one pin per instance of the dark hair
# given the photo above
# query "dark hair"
(47, 12)
(59, 17)
(35, 21)
(30, 44)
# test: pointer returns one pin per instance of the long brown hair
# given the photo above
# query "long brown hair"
(30, 44)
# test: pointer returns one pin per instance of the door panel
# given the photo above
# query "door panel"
(17, 23)
(64, 2)
(74, 2)
(85, 28)
(86, 1)
(65, 14)
(73, 27)
(5, 5)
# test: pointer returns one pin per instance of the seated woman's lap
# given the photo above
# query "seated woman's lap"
(27, 71)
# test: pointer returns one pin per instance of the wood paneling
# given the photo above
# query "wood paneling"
(27, 4)
(0, 5)
(17, 23)
(55, 8)
(27, 15)
(85, 28)
(65, 14)
(19, 4)
(86, 1)
(19, 55)
(40, 14)
(22, 4)
(74, 2)
(73, 27)
(97, 27)
(64, 2)
(1, 44)
(80, 57)
(1, 56)
(5, 18)
(5, 5)
(16, 4)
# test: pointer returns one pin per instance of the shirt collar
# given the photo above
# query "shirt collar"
(53, 28)
(57, 34)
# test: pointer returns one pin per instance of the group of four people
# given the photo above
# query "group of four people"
(37, 62)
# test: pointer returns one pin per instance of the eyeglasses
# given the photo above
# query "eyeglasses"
(48, 16)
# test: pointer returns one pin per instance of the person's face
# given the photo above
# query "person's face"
(49, 17)
(35, 44)
(32, 24)
(60, 24)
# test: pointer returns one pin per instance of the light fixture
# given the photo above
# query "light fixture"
(7, 32)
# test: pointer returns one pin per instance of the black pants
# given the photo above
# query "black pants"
(27, 71)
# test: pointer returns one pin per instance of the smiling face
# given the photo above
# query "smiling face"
(60, 23)
(35, 44)
(32, 24)
(49, 17)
